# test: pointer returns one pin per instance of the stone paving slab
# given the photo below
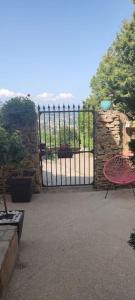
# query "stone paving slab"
(75, 247)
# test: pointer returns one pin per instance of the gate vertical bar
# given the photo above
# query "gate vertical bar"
(84, 139)
(50, 139)
(69, 137)
(60, 144)
(88, 138)
(94, 136)
(79, 138)
(74, 142)
(39, 128)
(65, 142)
(45, 140)
(55, 132)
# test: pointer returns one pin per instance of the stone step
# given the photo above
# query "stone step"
(8, 254)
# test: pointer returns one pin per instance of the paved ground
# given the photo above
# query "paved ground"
(75, 170)
(74, 247)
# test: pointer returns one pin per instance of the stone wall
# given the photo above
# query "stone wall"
(30, 140)
(29, 136)
(111, 138)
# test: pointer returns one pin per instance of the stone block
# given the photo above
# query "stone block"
(6, 232)
(8, 254)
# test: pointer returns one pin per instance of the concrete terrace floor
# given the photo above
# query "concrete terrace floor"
(74, 247)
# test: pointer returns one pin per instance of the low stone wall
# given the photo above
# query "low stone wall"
(110, 138)
(8, 254)
(30, 139)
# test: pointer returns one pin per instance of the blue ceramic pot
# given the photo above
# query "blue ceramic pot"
(106, 104)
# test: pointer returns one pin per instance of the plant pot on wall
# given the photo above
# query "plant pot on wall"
(21, 189)
(106, 104)
(14, 218)
(65, 151)
(65, 154)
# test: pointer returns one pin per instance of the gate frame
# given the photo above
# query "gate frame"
(59, 110)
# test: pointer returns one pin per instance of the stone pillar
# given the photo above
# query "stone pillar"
(30, 140)
(110, 139)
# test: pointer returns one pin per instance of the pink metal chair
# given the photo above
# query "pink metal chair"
(119, 170)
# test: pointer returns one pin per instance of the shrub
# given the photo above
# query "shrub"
(12, 152)
(18, 112)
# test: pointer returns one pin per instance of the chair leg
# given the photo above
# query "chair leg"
(113, 186)
(133, 189)
(106, 193)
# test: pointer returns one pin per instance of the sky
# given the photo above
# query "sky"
(50, 49)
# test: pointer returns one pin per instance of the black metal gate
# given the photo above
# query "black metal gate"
(66, 144)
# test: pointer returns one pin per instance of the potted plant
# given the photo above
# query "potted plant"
(11, 151)
(106, 104)
(19, 113)
(65, 151)
(21, 183)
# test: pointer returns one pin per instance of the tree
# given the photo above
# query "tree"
(85, 120)
(16, 112)
(116, 72)
(69, 135)
(12, 152)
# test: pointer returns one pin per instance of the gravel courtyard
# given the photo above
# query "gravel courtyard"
(74, 247)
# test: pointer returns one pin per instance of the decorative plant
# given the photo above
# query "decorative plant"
(65, 151)
(18, 112)
(68, 136)
(12, 153)
(64, 147)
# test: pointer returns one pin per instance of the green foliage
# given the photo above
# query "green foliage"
(4, 146)
(11, 148)
(70, 136)
(49, 138)
(18, 112)
(85, 120)
(116, 72)
(16, 148)
(65, 135)
(11, 153)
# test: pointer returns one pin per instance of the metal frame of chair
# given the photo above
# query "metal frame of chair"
(119, 170)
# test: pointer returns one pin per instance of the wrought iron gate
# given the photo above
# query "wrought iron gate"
(66, 144)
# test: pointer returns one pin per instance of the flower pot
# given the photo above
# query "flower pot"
(21, 189)
(65, 154)
(106, 104)
(14, 218)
